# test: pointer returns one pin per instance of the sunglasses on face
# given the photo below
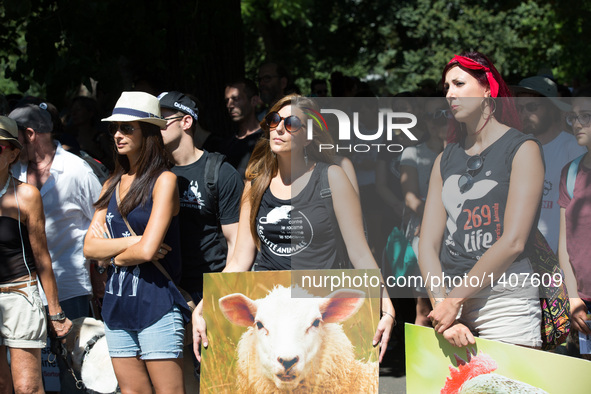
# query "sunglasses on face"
(529, 107)
(466, 181)
(124, 128)
(440, 114)
(291, 123)
(3, 148)
(583, 118)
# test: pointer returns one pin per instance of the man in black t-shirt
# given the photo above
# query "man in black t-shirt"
(206, 241)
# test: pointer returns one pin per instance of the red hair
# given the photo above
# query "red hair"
(505, 113)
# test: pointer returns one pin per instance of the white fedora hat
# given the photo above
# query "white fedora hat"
(137, 106)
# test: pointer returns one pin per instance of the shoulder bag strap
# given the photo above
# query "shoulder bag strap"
(571, 176)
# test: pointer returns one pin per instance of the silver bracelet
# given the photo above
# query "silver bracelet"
(391, 315)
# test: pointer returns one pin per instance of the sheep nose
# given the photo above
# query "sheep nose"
(287, 364)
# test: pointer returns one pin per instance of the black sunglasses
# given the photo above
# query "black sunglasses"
(124, 128)
(466, 181)
(291, 123)
(530, 107)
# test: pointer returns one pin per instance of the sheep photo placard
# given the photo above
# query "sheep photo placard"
(266, 337)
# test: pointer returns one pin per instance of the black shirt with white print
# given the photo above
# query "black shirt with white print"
(202, 250)
(475, 217)
(296, 233)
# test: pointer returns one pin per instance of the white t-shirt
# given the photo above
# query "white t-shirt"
(557, 153)
(68, 195)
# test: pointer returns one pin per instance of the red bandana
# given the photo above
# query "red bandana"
(472, 65)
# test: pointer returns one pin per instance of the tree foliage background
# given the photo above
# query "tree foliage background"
(50, 47)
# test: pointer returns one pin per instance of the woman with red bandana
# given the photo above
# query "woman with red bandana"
(483, 199)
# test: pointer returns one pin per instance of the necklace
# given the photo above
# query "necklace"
(3, 191)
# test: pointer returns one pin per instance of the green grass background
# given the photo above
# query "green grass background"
(429, 356)
(219, 359)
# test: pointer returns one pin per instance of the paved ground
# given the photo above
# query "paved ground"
(392, 370)
(392, 384)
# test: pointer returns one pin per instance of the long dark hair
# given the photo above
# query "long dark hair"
(152, 161)
(505, 113)
(263, 166)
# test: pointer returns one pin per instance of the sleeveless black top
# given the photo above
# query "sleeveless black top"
(475, 217)
(297, 233)
(12, 262)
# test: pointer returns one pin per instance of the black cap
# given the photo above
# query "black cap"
(179, 102)
(34, 116)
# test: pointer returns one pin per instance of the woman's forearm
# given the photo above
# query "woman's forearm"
(105, 248)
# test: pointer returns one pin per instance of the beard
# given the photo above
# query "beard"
(543, 124)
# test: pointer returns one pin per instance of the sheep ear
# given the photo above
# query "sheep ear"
(238, 309)
(341, 305)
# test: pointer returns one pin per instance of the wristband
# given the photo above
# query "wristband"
(59, 317)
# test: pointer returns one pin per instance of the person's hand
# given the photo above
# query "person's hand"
(162, 251)
(423, 308)
(459, 335)
(578, 315)
(60, 328)
(444, 314)
(384, 331)
(199, 330)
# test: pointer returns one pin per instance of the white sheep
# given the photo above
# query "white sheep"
(297, 345)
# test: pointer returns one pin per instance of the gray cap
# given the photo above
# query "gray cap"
(33, 116)
(9, 131)
(544, 87)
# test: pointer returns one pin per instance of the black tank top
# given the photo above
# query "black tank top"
(475, 217)
(297, 233)
(12, 263)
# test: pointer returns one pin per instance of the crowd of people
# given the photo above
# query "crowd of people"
(117, 218)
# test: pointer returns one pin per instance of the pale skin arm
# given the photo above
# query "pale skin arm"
(526, 185)
(241, 260)
(244, 252)
(32, 210)
(578, 309)
(348, 212)
(432, 231)
(347, 165)
(230, 232)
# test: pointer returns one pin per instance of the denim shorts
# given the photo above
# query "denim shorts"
(161, 340)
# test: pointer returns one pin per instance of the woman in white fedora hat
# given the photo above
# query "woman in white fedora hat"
(24, 258)
(144, 312)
